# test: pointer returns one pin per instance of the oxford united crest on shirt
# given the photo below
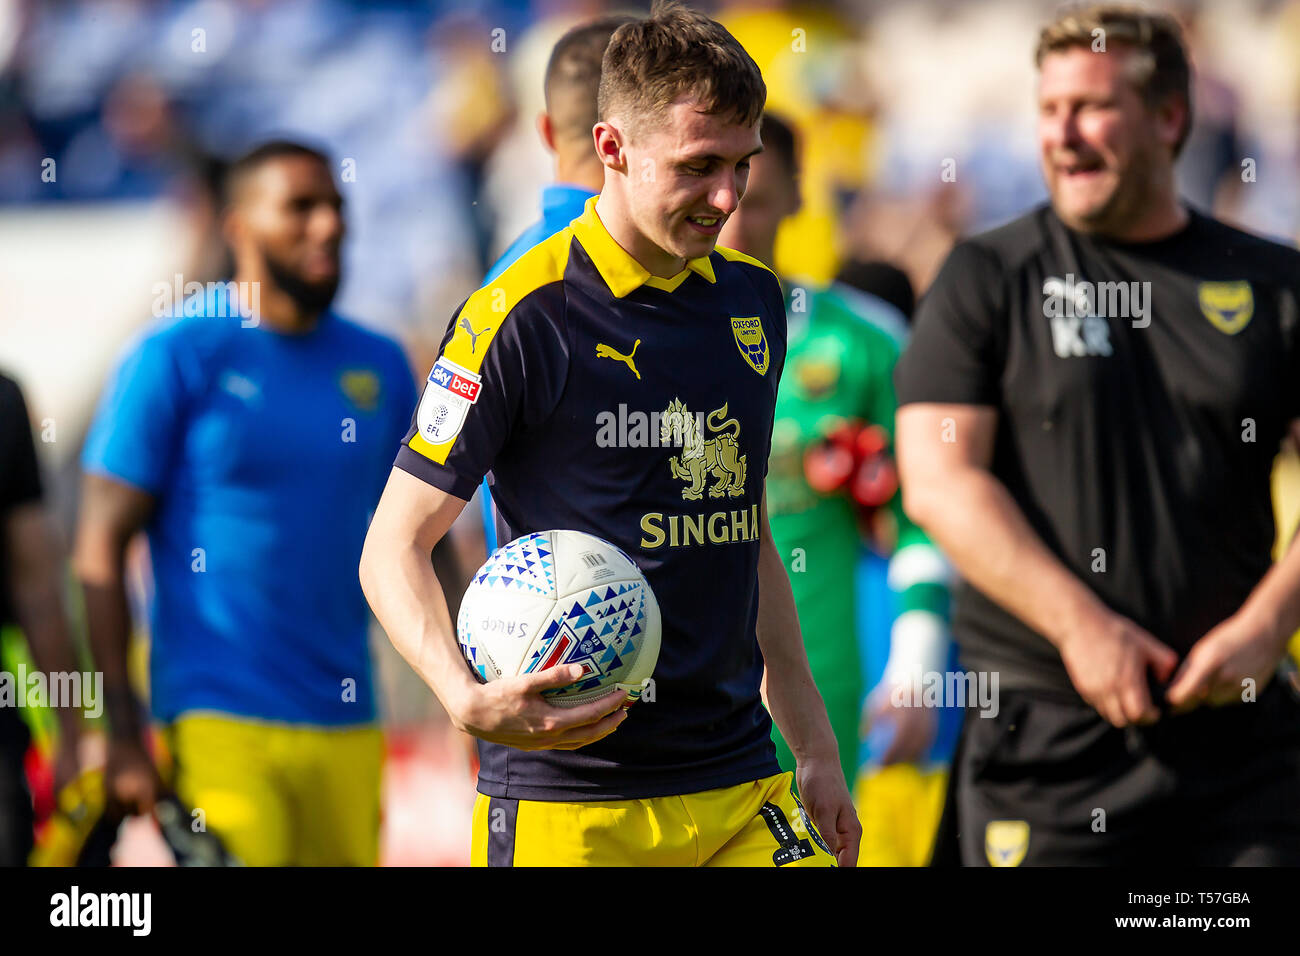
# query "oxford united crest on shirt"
(447, 398)
(1228, 305)
(751, 341)
(361, 386)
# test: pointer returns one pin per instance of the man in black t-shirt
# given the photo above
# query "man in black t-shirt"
(30, 589)
(1091, 404)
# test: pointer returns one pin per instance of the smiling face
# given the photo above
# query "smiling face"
(291, 223)
(1102, 147)
(683, 176)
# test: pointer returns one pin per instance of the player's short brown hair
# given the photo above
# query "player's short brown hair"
(1160, 67)
(573, 76)
(651, 63)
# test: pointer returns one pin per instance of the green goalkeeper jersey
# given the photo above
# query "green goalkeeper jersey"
(839, 367)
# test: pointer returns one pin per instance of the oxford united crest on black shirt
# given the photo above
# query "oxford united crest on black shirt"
(1142, 391)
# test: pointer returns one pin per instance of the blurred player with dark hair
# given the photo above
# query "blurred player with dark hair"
(248, 436)
(1092, 401)
(571, 84)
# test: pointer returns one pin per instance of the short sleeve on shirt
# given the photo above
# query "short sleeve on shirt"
(495, 376)
(137, 426)
(20, 477)
(953, 355)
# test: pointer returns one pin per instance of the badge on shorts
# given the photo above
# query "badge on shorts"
(1228, 305)
(1006, 842)
(807, 823)
(446, 401)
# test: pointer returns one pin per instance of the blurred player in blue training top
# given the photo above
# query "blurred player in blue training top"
(248, 435)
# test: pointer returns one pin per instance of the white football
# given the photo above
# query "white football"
(562, 597)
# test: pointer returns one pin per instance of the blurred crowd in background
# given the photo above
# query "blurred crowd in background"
(917, 123)
(434, 102)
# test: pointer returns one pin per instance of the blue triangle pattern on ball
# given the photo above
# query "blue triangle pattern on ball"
(521, 565)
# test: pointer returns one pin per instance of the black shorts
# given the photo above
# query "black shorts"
(1050, 782)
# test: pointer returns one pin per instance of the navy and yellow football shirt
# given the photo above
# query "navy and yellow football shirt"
(638, 409)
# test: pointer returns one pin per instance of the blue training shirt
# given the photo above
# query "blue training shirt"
(561, 204)
(266, 454)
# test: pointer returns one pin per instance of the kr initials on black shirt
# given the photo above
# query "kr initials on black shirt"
(1142, 392)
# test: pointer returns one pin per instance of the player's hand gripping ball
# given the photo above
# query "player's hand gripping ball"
(562, 597)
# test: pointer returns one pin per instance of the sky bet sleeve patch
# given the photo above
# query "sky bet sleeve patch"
(450, 391)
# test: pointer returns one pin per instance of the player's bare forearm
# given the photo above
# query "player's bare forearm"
(1245, 649)
(1270, 615)
(798, 708)
(402, 587)
(792, 697)
(34, 581)
(949, 491)
(1275, 602)
(111, 513)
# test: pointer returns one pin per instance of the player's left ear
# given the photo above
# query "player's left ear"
(610, 144)
(546, 130)
(233, 227)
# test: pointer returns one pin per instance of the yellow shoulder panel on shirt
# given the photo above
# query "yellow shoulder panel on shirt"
(482, 316)
(487, 308)
(733, 256)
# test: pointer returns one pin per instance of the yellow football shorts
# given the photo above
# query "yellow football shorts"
(899, 807)
(281, 794)
(760, 823)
